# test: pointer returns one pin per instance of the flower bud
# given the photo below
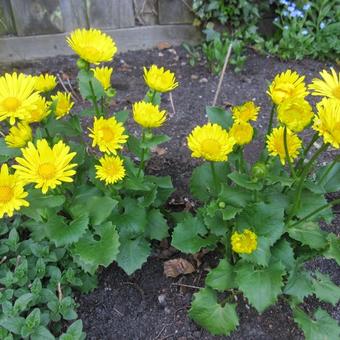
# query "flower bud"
(148, 135)
(110, 92)
(221, 205)
(259, 170)
(82, 64)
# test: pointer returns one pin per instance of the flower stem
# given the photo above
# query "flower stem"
(291, 168)
(271, 119)
(213, 171)
(94, 101)
(141, 164)
(305, 152)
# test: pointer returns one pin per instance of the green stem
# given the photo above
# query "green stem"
(305, 152)
(304, 174)
(325, 206)
(213, 171)
(287, 153)
(153, 96)
(141, 164)
(102, 104)
(271, 119)
(94, 99)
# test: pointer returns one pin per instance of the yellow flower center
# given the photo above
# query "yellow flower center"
(336, 92)
(11, 103)
(6, 193)
(284, 90)
(211, 146)
(90, 51)
(47, 170)
(108, 134)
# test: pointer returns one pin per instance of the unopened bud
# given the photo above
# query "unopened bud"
(82, 64)
(221, 205)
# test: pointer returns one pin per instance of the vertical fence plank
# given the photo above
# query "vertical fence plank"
(175, 12)
(74, 14)
(146, 12)
(6, 20)
(37, 16)
(110, 13)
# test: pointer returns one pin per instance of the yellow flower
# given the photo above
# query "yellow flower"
(287, 85)
(17, 96)
(19, 135)
(12, 193)
(103, 75)
(327, 121)
(159, 79)
(275, 144)
(244, 243)
(296, 113)
(210, 142)
(247, 111)
(328, 87)
(63, 104)
(92, 45)
(111, 169)
(40, 111)
(242, 132)
(108, 134)
(45, 82)
(148, 115)
(47, 167)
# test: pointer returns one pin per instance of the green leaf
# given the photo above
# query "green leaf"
(221, 278)
(245, 181)
(134, 146)
(74, 332)
(329, 183)
(62, 233)
(261, 286)
(333, 250)
(262, 254)
(325, 289)
(156, 227)
(219, 116)
(309, 234)
(236, 197)
(7, 153)
(122, 116)
(202, 183)
(282, 251)
(208, 313)
(84, 79)
(188, 236)
(154, 141)
(322, 326)
(89, 252)
(42, 333)
(299, 284)
(12, 324)
(132, 254)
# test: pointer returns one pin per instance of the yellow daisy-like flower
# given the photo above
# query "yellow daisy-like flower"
(17, 96)
(45, 82)
(47, 167)
(92, 45)
(108, 134)
(19, 135)
(329, 86)
(244, 243)
(111, 169)
(242, 132)
(246, 112)
(12, 193)
(40, 111)
(327, 121)
(210, 142)
(103, 75)
(296, 113)
(287, 85)
(275, 144)
(159, 79)
(148, 115)
(63, 104)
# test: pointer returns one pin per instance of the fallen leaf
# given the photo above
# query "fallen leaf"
(159, 151)
(163, 45)
(176, 267)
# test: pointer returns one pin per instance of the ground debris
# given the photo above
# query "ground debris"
(176, 267)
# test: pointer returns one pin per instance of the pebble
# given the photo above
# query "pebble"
(162, 299)
(160, 54)
(194, 76)
(203, 80)
(167, 310)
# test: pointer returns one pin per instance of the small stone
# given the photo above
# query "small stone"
(162, 299)
(194, 76)
(160, 54)
(183, 63)
(203, 80)
(197, 334)
(167, 310)
(163, 45)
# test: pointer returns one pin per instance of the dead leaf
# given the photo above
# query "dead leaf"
(163, 45)
(176, 267)
(159, 151)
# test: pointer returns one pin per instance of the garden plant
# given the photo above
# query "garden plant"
(263, 219)
(71, 197)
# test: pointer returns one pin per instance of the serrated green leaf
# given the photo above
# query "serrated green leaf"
(310, 234)
(282, 251)
(325, 289)
(74, 331)
(156, 227)
(132, 254)
(62, 233)
(333, 250)
(208, 313)
(322, 326)
(91, 253)
(222, 277)
(188, 236)
(261, 286)
(219, 116)
(236, 197)
(245, 181)
(298, 284)
(262, 254)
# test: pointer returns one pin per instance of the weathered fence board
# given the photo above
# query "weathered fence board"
(6, 20)
(175, 12)
(37, 16)
(146, 12)
(74, 14)
(110, 13)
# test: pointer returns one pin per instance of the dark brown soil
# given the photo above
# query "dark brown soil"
(147, 305)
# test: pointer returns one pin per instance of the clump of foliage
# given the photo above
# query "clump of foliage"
(264, 218)
(68, 206)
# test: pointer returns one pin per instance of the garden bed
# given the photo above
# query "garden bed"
(147, 305)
